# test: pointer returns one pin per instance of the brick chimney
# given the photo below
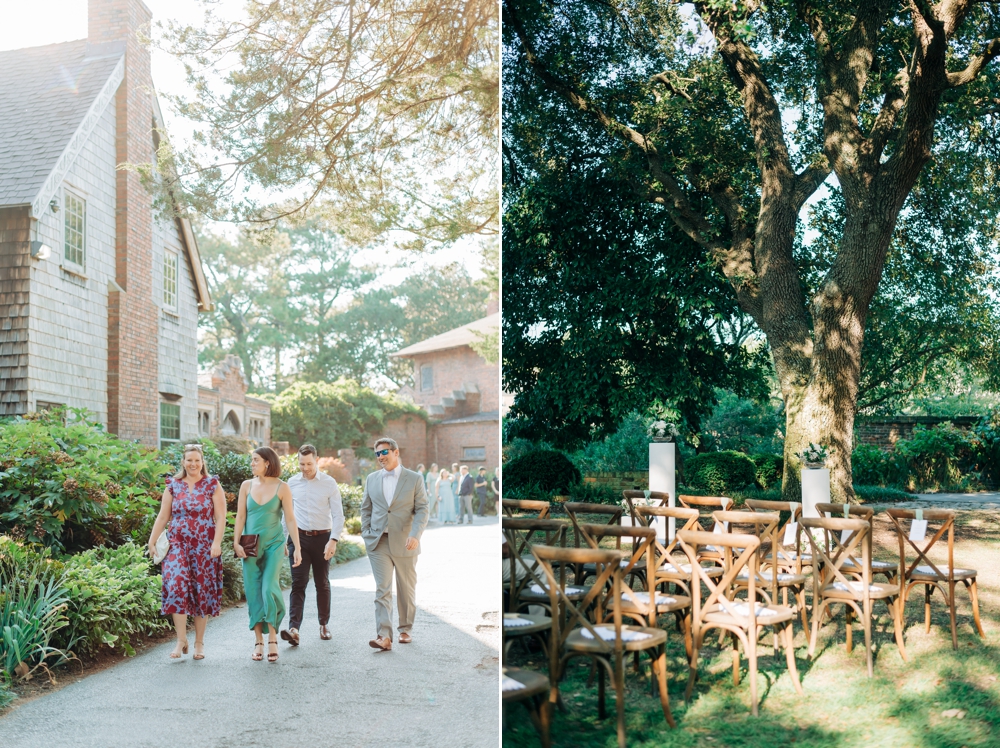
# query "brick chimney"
(133, 399)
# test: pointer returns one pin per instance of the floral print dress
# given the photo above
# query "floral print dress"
(192, 579)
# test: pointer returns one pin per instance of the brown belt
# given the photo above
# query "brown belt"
(315, 532)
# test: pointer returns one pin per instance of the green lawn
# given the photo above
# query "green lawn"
(901, 707)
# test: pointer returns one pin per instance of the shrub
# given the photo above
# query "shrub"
(937, 457)
(233, 445)
(348, 550)
(740, 424)
(595, 493)
(625, 450)
(74, 486)
(32, 611)
(113, 597)
(351, 497)
(519, 447)
(547, 469)
(720, 472)
(353, 526)
(880, 494)
(871, 466)
(768, 469)
(232, 470)
(173, 454)
(335, 468)
(987, 435)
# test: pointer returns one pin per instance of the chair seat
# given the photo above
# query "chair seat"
(785, 557)
(684, 570)
(876, 565)
(767, 615)
(927, 572)
(640, 565)
(573, 592)
(664, 603)
(784, 579)
(534, 684)
(536, 624)
(576, 641)
(876, 591)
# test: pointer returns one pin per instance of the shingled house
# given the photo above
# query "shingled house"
(99, 294)
(460, 391)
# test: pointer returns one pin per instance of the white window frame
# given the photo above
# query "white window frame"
(169, 303)
(430, 368)
(180, 414)
(69, 195)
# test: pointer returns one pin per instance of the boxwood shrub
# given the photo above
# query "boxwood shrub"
(769, 468)
(720, 472)
(545, 469)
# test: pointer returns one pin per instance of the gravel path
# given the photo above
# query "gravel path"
(960, 501)
(441, 690)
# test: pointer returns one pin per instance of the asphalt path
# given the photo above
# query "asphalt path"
(441, 690)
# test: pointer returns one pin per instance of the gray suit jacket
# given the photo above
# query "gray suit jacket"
(405, 518)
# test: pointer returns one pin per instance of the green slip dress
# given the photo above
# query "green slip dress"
(265, 603)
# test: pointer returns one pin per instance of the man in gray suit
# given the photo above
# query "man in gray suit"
(394, 514)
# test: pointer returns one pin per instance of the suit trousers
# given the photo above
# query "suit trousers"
(383, 564)
(465, 507)
(312, 547)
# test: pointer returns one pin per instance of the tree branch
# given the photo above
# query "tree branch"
(976, 65)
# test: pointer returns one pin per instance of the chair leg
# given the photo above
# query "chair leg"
(867, 607)
(790, 656)
(801, 597)
(974, 594)
(620, 699)
(660, 668)
(736, 659)
(693, 665)
(848, 615)
(752, 656)
(601, 711)
(545, 717)
(951, 610)
(896, 611)
(927, 608)
(817, 617)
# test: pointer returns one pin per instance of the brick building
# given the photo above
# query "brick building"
(99, 293)
(225, 409)
(460, 391)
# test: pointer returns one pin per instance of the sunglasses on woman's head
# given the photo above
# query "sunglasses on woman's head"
(193, 446)
(382, 452)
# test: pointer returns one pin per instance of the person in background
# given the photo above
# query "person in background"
(445, 498)
(495, 483)
(423, 473)
(482, 486)
(319, 513)
(465, 495)
(456, 481)
(430, 485)
(195, 506)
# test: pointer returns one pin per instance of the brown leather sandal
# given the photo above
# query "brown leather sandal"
(273, 656)
(257, 656)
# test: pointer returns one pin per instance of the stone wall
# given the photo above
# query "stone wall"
(885, 432)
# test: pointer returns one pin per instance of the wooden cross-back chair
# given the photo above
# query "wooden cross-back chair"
(513, 507)
(655, 498)
(922, 571)
(520, 535)
(604, 643)
(742, 619)
(791, 557)
(879, 567)
(613, 512)
(534, 693)
(672, 568)
(772, 579)
(706, 505)
(833, 585)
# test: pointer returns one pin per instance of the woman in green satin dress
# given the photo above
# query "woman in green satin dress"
(258, 512)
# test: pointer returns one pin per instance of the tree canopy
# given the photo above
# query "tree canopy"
(734, 114)
(376, 116)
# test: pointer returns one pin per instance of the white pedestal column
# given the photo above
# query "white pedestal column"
(815, 490)
(663, 478)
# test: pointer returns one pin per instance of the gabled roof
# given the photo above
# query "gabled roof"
(464, 335)
(51, 98)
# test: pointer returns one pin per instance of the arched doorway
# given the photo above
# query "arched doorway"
(231, 424)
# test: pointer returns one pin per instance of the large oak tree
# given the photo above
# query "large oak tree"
(740, 111)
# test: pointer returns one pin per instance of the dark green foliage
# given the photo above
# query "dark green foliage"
(595, 493)
(938, 458)
(545, 469)
(112, 599)
(720, 472)
(987, 434)
(351, 497)
(626, 449)
(232, 470)
(880, 494)
(334, 415)
(744, 425)
(768, 469)
(73, 486)
(872, 466)
(353, 526)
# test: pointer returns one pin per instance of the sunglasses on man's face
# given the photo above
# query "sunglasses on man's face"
(382, 452)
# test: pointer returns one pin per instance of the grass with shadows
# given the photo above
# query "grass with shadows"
(903, 706)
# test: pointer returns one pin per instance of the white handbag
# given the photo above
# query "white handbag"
(161, 548)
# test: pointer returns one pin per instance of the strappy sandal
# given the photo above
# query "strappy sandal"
(273, 656)
(258, 656)
(198, 655)
(175, 655)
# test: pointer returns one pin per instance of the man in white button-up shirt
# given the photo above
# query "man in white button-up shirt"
(319, 513)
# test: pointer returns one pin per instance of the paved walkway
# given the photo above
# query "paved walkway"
(441, 690)
(962, 501)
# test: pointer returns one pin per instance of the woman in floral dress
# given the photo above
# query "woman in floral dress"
(194, 505)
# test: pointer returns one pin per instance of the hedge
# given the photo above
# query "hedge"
(720, 472)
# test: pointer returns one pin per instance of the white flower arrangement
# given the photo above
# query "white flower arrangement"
(814, 454)
(662, 430)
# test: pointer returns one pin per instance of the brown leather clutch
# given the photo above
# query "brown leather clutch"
(249, 543)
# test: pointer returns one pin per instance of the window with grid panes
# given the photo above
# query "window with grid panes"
(75, 234)
(170, 422)
(170, 279)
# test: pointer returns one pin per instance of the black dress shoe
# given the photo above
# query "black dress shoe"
(324, 633)
(291, 636)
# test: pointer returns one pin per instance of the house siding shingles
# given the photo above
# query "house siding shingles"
(69, 333)
(15, 266)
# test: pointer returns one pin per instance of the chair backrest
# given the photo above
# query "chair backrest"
(794, 510)
(574, 508)
(665, 552)
(739, 552)
(609, 574)
(763, 526)
(521, 535)
(855, 510)
(830, 556)
(634, 499)
(706, 505)
(512, 506)
(944, 522)
(643, 545)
